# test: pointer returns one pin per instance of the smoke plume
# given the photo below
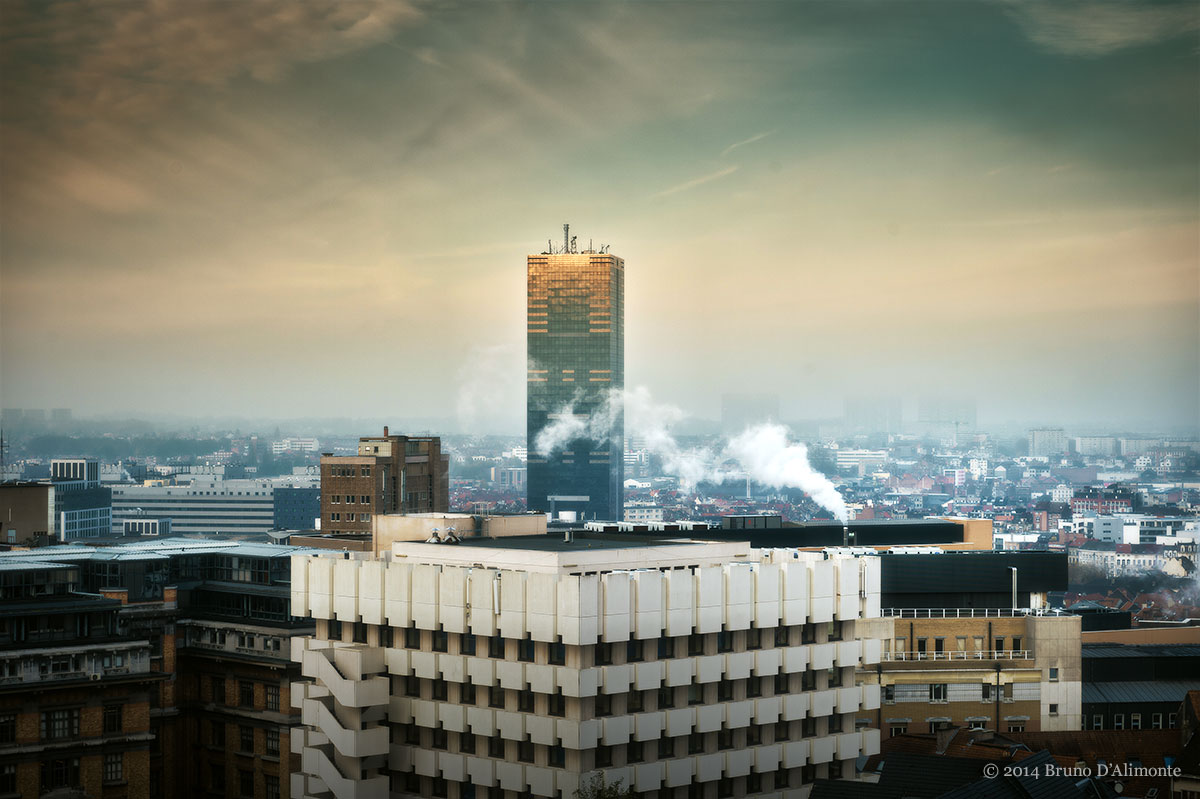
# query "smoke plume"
(761, 452)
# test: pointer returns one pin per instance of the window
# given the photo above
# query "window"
(496, 747)
(466, 743)
(724, 739)
(922, 648)
(525, 701)
(335, 629)
(216, 733)
(246, 782)
(695, 743)
(440, 739)
(1054, 710)
(695, 694)
(60, 724)
(666, 698)
(495, 696)
(557, 705)
(999, 645)
(1016, 643)
(245, 693)
(635, 752)
(112, 718)
(783, 731)
(8, 779)
(754, 687)
(754, 638)
(360, 632)
(833, 678)
(753, 735)
(273, 741)
(937, 692)
(666, 648)
(695, 645)
(412, 638)
(1156, 721)
(1097, 722)
(466, 693)
(899, 729)
(557, 653)
(724, 690)
(1053, 675)
(781, 778)
(271, 784)
(724, 642)
(1016, 728)
(466, 644)
(441, 641)
(1135, 719)
(782, 685)
(604, 758)
(1119, 721)
(62, 773)
(603, 704)
(114, 770)
(724, 787)
(525, 650)
(412, 735)
(8, 728)
(833, 631)
(987, 692)
(781, 636)
(496, 647)
(441, 690)
(218, 689)
(245, 739)
(633, 651)
(666, 748)
(272, 697)
(889, 694)
(216, 776)
(635, 702)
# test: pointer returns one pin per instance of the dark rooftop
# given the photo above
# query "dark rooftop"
(579, 541)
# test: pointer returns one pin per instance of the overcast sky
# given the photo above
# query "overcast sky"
(323, 209)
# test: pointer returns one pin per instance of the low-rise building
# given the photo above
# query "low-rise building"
(527, 665)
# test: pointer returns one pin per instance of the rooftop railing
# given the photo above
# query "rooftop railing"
(965, 613)
(983, 654)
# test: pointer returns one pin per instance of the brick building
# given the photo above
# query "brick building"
(390, 474)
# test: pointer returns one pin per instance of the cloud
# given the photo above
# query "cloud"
(744, 142)
(691, 184)
(1100, 28)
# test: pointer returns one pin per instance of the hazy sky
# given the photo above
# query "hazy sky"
(322, 209)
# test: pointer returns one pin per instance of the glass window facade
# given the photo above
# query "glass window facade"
(576, 357)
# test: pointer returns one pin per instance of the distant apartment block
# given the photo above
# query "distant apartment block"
(525, 666)
(644, 514)
(295, 445)
(1097, 446)
(861, 461)
(1047, 442)
(1132, 447)
(390, 474)
(742, 410)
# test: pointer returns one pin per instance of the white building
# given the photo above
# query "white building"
(861, 460)
(202, 506)
(530, 664)
(1047, 442)
(1096, 445)
(295, 445)
(1062, 493)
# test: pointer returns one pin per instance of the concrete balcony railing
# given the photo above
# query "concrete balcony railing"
(345, 670)
(985, 654)
(347, 738)
(965, 613)
(317, 761)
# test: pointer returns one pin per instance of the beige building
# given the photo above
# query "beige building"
(523, 666)
(1005, 670)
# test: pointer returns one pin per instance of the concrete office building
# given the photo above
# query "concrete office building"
(1047, 442)
(390, 474)
(82, 507)
(206, 507)
(576, 353)
(523, 666)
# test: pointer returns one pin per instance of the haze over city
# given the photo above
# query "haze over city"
(324, 210)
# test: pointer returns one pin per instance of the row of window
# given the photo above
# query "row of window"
(350, 471)
(245, 695)
(349, 517)
(1135, 721)
(216, 782)
(245, 738)
(336, 499)
(604, 654)
(939, 644)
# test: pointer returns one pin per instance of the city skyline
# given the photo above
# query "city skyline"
(998, 200)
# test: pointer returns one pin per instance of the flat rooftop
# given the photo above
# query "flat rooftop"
(586, 552)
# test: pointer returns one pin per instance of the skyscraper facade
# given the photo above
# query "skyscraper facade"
(576, 357)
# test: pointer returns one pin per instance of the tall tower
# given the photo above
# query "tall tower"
(576, 356)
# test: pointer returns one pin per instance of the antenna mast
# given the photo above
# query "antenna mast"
(566, 237)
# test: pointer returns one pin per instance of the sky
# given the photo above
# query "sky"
(322, 209)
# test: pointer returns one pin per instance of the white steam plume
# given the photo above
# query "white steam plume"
(762, 451)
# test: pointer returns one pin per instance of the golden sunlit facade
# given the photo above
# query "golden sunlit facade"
(576, 356)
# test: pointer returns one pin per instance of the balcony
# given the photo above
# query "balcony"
(984, 654)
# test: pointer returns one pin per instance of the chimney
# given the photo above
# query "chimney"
(385, 432)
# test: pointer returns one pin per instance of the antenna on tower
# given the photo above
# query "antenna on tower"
(566, 237)
(3, 446)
